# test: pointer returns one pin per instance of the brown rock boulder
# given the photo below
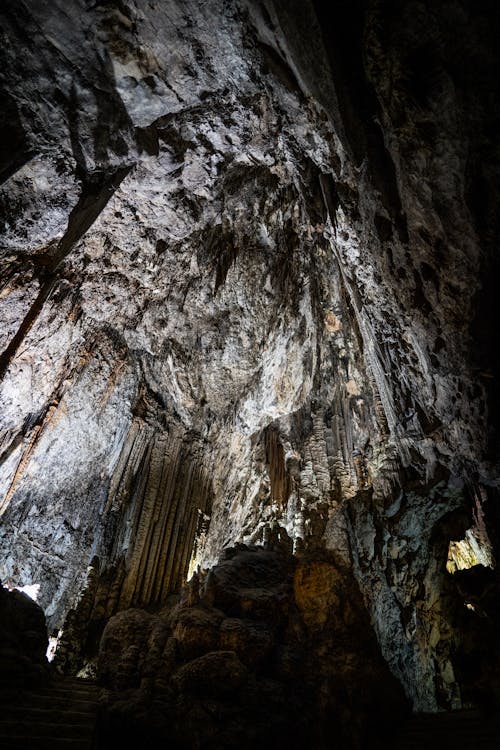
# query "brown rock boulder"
(123, 649)
(316, 589)
(250, 584)
(252, 641)
(196, 630)
(217, 673)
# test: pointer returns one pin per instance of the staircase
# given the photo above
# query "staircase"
(59, 716)
(452, 730)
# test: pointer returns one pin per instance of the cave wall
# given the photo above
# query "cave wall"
(246, 272)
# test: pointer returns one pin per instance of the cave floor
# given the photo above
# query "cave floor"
(449, 730)
(64, 716)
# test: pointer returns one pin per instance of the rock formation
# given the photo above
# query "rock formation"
(265, 651)
(24, 642)
(249, 296)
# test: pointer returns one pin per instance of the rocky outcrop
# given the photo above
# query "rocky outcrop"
(24, 642)
(248, 293)
(266, 650)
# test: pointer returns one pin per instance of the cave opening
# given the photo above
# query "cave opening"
(248, 407)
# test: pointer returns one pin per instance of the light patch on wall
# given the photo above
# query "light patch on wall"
(53, 644)
(470, 551)
(475, 548)
(332, 323)
(32, 590)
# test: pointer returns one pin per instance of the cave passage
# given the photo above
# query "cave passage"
(249, 462)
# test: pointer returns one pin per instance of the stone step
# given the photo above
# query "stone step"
(88, 689)
(41, 702)
(62, 689)
(14, 728)
(58, 716)
(61, 715)
(71, 688)
(30, 713)
(67, 696)
(30, 742)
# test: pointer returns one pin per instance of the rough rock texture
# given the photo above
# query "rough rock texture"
(248, 277)
(267, 650)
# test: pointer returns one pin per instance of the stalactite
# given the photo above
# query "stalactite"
(166, 495)
(278, 475)
(155, 591)
(320, 456)
(161, 491)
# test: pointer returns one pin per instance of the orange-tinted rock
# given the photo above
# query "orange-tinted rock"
(197, 630)
(264, 604)
(216, 673)
(316, 592)
(252, 641)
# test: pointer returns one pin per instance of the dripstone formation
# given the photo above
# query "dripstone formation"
(265, 651)
(249, 297)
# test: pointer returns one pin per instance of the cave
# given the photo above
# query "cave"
(249, 367)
